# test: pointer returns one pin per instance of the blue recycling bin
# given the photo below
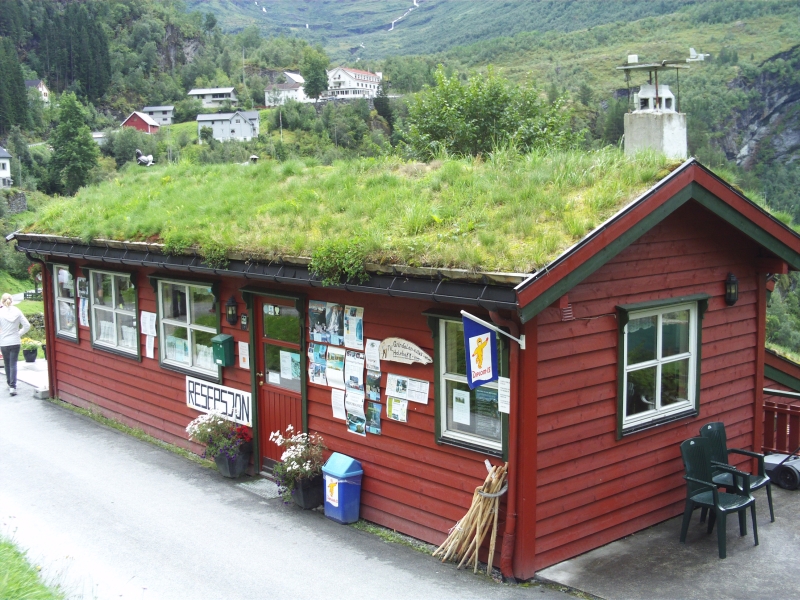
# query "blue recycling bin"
(342, 488)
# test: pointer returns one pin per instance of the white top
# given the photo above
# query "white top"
(13, 325)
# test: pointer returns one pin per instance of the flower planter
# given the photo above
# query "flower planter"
(233, 467)
(309, 492)
(30, 355)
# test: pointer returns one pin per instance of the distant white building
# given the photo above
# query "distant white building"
(279, 93)
(39, 85)
(241, 125)
(344, 82)
(5, 169)
(160, 114)
(213, 97)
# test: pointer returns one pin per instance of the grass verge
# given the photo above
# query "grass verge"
(31, 307)
(12, 285)
(19, 579)
(133, 432)
(390, 536)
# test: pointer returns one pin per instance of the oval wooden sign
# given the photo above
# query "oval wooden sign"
(403, 351)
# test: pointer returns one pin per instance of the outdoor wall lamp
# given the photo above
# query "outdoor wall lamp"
(231, 311)
(731, 289)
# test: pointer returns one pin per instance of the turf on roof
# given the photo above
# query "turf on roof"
(507, 213)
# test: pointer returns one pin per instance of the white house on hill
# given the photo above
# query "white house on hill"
(5, 168)
(241, 125)
(160, 114)
(279, 93)
(214, 96)
(344, 82)
(39, 85)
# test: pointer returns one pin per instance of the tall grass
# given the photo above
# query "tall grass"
(18, 579)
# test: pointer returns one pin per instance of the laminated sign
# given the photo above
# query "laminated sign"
(480, 344)
(332, 490)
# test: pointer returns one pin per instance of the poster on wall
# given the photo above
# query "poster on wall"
(374, 385)
(461, 412)
(407, 388)
(334, 323)
(83, 312)
(337, 403)
(356, 418)
(233, 404)
(354, 370)
(148, 321)
(373, 355)
(334, 363)
(487, 417)
(354, 327)
(244, 355)
(317, 326)
(396, 409)
(374, 418)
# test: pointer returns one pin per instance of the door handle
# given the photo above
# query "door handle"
(260, 374)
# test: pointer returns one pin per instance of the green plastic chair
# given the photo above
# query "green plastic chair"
(715, 433)
(701, 492)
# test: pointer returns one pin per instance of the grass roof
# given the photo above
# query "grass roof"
(507, 213)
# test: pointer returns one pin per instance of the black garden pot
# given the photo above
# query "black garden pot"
(309, 492)
(233, 467)
(30, 355)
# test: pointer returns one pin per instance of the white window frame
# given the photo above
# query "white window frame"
(113, 310)
(659, 413)
(452, 435)
(214, 372)
(72, 335)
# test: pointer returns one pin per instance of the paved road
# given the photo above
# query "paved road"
(112, 517)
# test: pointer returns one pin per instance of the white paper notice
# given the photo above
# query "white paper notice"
(373, 355)
(244, 355)
(274, 377)
(407, 388)
(504, 395)
(83, 312)
(334, 371)
(148, 321)
(337, 402)
(354, 403)
(396, 410)
(461, 407)
(286, 364)
(354, 370)
(149, 343)
(354, 327)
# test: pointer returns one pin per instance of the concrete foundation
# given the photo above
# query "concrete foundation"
(661, 131)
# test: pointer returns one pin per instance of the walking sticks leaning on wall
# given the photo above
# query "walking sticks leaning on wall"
(466, 537)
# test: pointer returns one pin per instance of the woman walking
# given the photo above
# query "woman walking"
(13, 325)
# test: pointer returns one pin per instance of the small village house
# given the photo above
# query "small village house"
(291, 89)
(5, 168)
(39, 86)
(241, 125)
(162, 115)
(344, 82)
(214, 97)
(142, 122)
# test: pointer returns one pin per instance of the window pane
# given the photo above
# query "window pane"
(282, 367)
(103, 326)
(173, 302)
(282, 323)
(65, 288)
(126, 335)
(641, 392)
(204, 307)
(125, 296)
(675, 382)
(101, 289)
(455, 360)
(642, 339)
(203, 355)
(66, 316)
(176, 344)
(473, 411)
(675, 333)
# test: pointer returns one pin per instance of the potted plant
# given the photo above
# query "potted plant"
(30, 348)
(229, 444)
(299, 474)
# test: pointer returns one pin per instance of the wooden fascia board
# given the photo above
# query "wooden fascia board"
(782, 370)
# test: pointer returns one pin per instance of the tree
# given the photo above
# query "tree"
(13, 95)
(74, 152)
(314, 69)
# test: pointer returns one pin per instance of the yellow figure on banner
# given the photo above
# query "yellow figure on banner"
(331, 488)
(478, 354)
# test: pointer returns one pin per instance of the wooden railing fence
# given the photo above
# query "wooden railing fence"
(781, 422)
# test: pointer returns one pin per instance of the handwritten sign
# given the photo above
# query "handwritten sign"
(233, 404)
(403, 351)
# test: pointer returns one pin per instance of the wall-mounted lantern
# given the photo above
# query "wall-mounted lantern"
(231, 311)
(731, 289)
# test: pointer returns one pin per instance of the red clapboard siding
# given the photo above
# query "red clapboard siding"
(592, 488)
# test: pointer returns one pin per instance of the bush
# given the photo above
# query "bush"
(220, 435)
(302, 459)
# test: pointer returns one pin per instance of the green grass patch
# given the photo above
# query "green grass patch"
(510, 215)
(21, 580)
(390, 536)
(31, 307)
(12, 285)
(134, 432)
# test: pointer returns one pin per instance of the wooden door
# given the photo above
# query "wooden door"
(281, 365)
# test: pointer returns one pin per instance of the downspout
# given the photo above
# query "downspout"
(509, 535)
(49, 327)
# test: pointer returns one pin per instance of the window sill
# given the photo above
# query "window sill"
(467, 446)
(193, 373)
(68, 337)
(687, 414)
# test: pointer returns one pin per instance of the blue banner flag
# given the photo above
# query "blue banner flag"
(480, 345)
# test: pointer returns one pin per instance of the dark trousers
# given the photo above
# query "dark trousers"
(10, 356)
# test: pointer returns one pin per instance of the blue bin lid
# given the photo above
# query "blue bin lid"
(342, 466)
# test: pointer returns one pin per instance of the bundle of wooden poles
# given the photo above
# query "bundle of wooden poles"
(465, 539)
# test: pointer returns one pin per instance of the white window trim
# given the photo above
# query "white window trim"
(112, 309)
(659, 413)
(190, 327)
(57, 308)
(444, 377)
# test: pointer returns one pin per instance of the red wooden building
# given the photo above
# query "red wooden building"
(141, 121)
(630, 345)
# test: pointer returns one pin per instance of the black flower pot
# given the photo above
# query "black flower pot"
(309, 492)
(233, 467)
(30, 355)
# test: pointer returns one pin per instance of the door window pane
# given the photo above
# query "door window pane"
(66, 316)
(675, 333)
(473, 411)
(283, 367)
(204, 308)
(642, 336)
(641, 392)
(282, 323)
(675, 382)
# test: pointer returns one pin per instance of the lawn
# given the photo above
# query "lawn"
(11, 285)
(19, 579)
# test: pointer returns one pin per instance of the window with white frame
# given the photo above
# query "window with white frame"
(466, 417)
(188, 319)
(65, 301)
(659, 363)
(114, 323)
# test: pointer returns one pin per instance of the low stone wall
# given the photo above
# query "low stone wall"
(17, 203)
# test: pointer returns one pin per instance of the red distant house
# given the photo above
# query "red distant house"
(141, 121)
